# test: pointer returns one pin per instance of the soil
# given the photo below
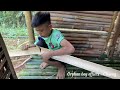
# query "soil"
(13, 44)
(16, 61)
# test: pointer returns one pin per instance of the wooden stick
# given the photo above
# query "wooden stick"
(23, 62)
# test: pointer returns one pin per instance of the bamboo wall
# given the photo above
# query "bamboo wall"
(86, 30)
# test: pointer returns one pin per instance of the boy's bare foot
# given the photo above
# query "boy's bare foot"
(43, 65)
(61, 73)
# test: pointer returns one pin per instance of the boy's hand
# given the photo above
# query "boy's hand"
(46, 55)
(25, 47)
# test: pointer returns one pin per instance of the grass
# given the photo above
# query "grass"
(20, 31)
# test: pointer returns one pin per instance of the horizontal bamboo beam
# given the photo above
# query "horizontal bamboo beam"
(83, 31)
(97, 12)
(85, 39)
(87, 43)
(84, 35)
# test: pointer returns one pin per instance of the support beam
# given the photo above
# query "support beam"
(115, 36)
(28, 18)
(111, 29)
(87, 65)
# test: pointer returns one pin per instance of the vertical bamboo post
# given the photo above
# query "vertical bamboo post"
(115, 36)
(28, 18)
(111, 29)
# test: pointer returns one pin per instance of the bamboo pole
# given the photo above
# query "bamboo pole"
(111, 29)
(28, 18)
(87, 42)
(97, 12)
(83, 31)
(115, 36)
(85, 39)
(84, 35)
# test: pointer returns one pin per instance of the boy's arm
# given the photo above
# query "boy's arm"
(67, 48)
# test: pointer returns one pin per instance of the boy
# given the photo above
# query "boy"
(51, 39)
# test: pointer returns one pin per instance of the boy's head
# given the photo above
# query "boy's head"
(42, 23)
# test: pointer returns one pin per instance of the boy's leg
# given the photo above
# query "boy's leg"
(60, 66)
(42, 43)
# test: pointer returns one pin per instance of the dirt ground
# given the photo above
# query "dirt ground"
(14, 43)
(16, 61)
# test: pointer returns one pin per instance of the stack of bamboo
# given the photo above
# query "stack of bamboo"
(86, 30)
(91, 20)
(86, 42)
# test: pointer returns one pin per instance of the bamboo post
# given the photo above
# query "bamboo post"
(111, 28)
(115, 36)
(28, 18)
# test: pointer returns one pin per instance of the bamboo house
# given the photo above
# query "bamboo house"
(95, 36)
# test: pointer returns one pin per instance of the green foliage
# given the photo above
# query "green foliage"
(12, 19)
(12, 23)
(14, 32)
